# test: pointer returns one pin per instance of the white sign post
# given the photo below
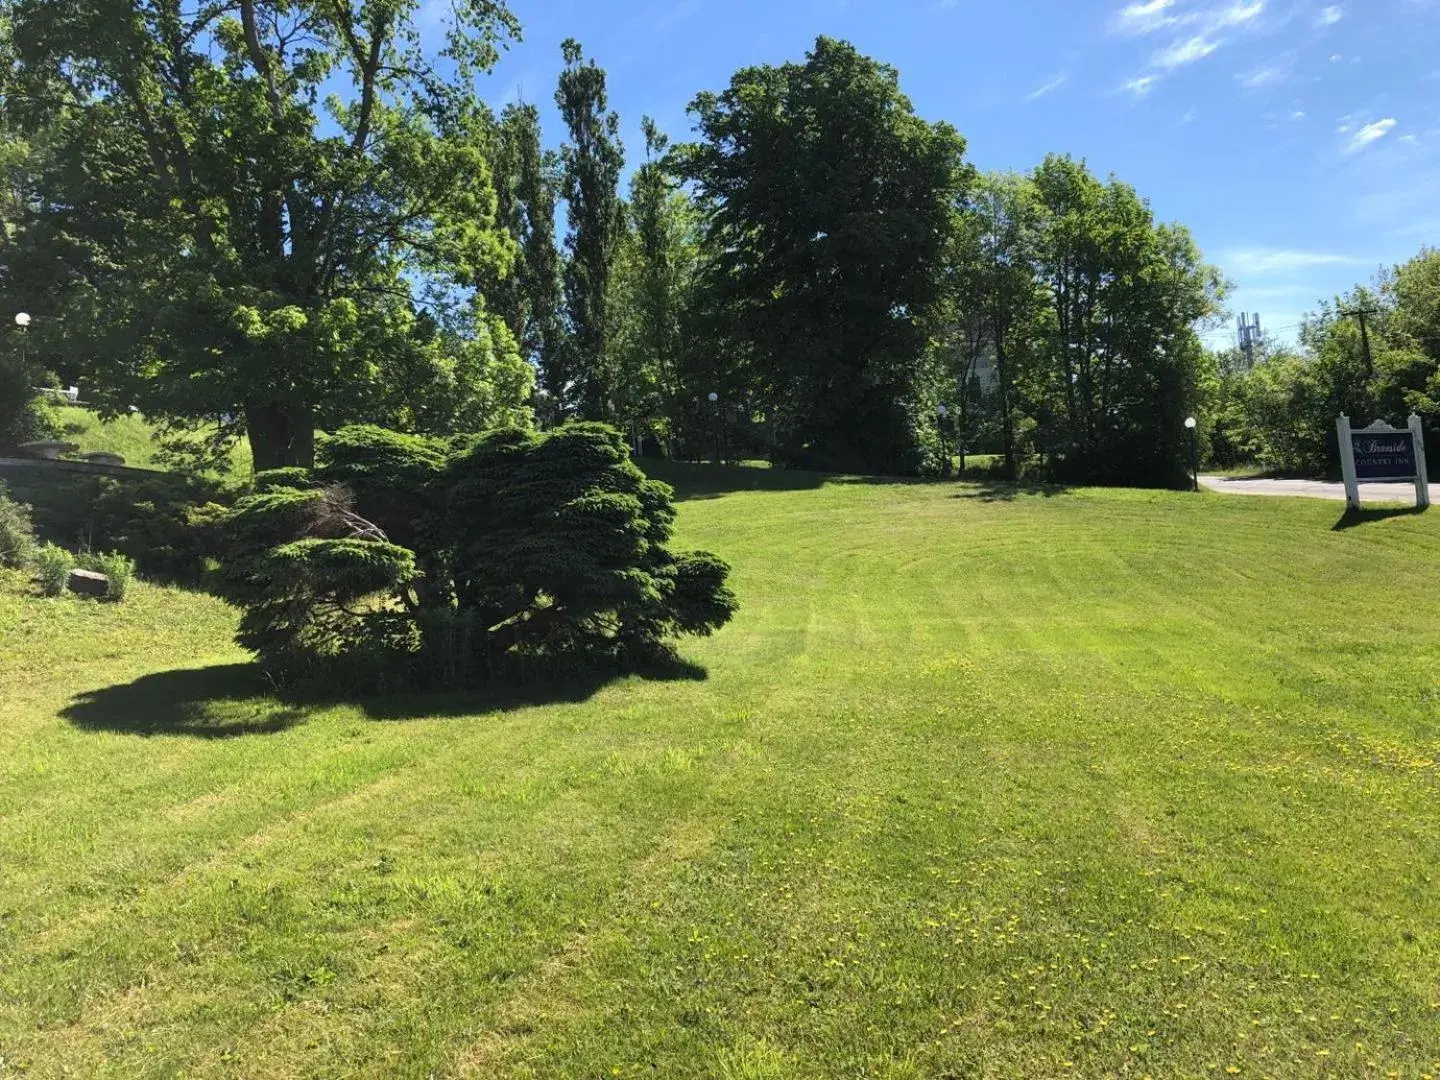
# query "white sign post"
(1381, 452)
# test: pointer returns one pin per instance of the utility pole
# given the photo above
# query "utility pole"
(1249, 335)
(1361, 314)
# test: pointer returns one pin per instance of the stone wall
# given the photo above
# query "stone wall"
(34, 481)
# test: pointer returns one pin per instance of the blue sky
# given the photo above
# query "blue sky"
(1299, 139)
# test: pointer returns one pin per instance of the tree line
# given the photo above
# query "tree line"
(287, 215)
(1372, 353)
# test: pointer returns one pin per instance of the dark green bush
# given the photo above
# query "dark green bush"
(167, 523)
(17, 532)
(532, 552)
(24, 416)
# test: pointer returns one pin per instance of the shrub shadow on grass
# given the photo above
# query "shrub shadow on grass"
(1351, 517)
(572, 689)
(1004, 491)
(232, 700)
(220, 702)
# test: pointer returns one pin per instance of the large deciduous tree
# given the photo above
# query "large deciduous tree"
(827, 206)
(1122, 297)
(592, 158)
(240, 200)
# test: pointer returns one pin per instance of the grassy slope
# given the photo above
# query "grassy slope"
(1101, 783)
(133, 437)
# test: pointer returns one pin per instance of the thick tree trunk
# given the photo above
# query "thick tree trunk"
(280, 435)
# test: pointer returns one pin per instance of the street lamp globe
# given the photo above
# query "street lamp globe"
(714, 397)
(22, 320)
(1190, 423)
(940, 411)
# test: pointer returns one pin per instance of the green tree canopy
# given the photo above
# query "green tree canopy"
(592, 159)
(1122, 299)
(527, 185)
(827, 205)
(236, 204)
(654, 273)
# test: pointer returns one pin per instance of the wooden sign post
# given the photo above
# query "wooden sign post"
(1382, 452)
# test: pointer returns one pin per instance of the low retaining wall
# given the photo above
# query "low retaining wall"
(33, 480)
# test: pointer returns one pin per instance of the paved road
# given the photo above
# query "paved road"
(1403, 492)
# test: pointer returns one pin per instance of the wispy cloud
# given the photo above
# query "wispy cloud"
(1049, 86)
(1138, 87)
(1183, 53)
(1266, 75)
(1260, 262)
(1147, 17)
(1368, 134)
(1330, 16)
(1153, 16)
(1204, 28)
(1237, 14)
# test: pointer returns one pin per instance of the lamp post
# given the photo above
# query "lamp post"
(941, 411)
(1190, 426)
(715, 421)
(22, 320)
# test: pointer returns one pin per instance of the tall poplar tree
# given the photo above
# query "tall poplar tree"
(592, 158)
(529, 299)
(654, 273)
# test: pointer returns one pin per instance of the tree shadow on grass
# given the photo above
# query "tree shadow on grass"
(693, 482)
(220, 702)
(232, 700)
(1003, 491)
(1352, 517)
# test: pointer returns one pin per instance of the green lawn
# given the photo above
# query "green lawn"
(978, 784)
(132, 437)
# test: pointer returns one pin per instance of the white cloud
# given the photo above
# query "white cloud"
(1368, 134)
(1267, 75)
(1184, 52)
(1139, 87)
(1049, 86)
(1330, 16)
(1147, 17)
(1298, 115)
(1189, 117)
(1259, 262)
(1151, 16)
(1236, 15)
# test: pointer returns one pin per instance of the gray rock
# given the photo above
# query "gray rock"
(89, 583)
(103, 457)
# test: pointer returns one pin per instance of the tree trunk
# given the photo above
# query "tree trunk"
(280, 435)
(1007, 429)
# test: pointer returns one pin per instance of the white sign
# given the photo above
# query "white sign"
(1382, 453)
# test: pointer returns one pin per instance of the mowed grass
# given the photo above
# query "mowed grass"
(132, 437)
(980, 783)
